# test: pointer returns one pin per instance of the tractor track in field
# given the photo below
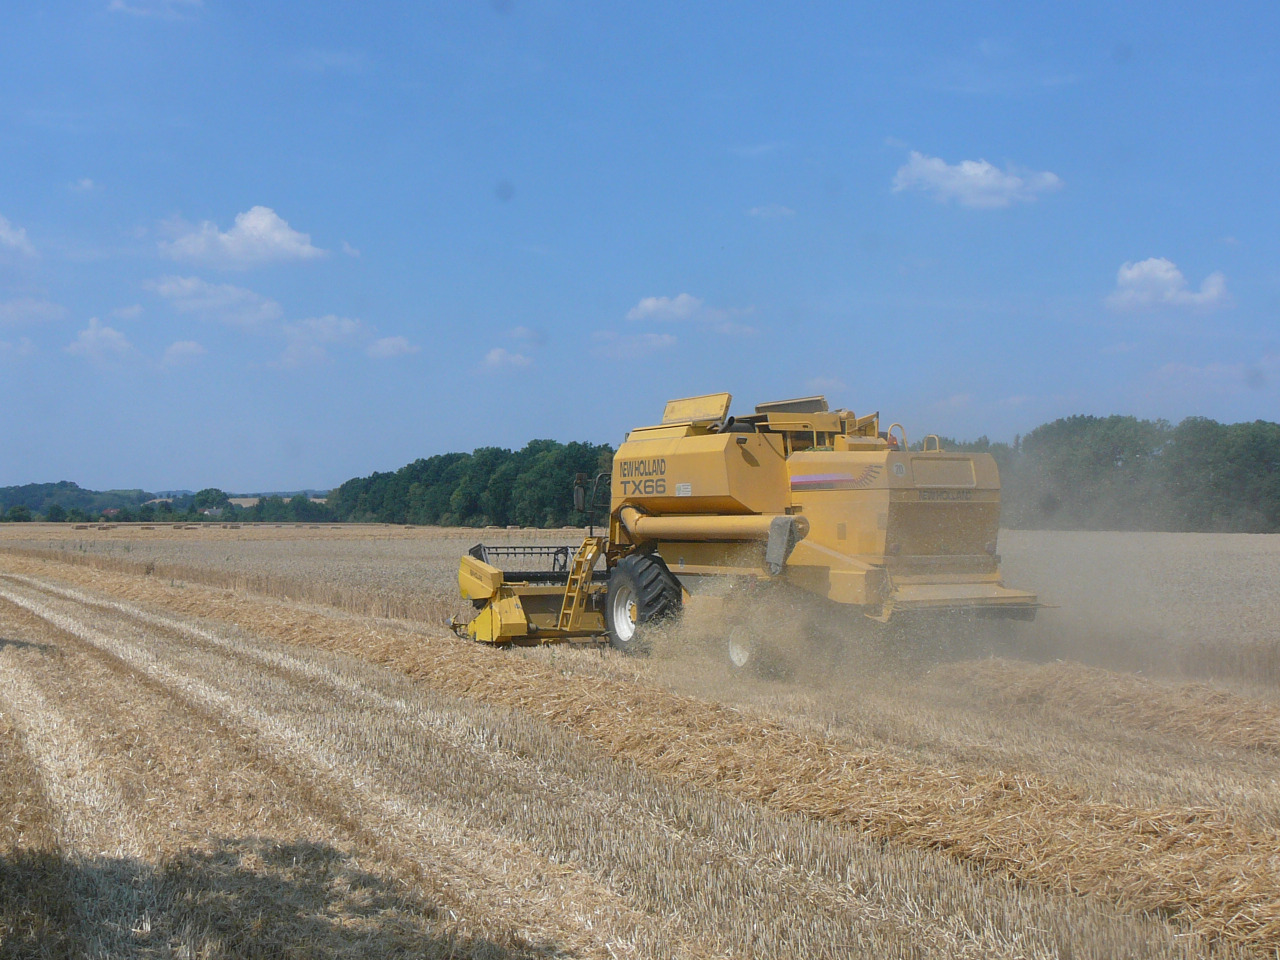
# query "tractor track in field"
(269, 703)
(642, 867)
(235, 737)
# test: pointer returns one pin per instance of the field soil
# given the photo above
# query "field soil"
(262, 742)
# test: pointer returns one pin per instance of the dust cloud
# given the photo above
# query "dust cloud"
(1164, 608)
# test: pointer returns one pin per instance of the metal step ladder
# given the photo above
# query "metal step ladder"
(575, 591)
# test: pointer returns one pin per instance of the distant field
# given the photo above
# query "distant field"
(231, 742)
(1194, 605)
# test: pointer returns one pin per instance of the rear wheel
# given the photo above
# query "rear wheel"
(642, 592)
(764, 631)
(749, 654)
(744, 652)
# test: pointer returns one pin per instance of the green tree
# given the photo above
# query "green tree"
(55, 513)
(211, 498)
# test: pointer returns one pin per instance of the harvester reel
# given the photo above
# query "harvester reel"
(641, 593)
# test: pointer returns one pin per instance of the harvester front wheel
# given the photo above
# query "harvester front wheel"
(641, 592)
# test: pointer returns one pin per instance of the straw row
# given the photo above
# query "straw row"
(1198, 865)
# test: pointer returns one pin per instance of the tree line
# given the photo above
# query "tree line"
(1081, 472)
(531, 487)
(1122, 473)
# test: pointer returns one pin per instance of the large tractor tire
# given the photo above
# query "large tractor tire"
(642, 592)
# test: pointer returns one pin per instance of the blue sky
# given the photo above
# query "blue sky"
(268, 246)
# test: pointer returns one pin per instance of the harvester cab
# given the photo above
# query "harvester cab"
(816, 500)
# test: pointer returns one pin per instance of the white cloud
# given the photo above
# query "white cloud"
(162, 9)
(15, 238)
(631, 346)
(349, 250)
(501, 357)
(1158, 282)
(30, 310)
(972, 183)
(259, 236)
(22, 348)
(688, 307)
(182, 352)
(100, 344)
(217, 301)
(771, 211)
(388, 347)
(308, 338)
(83, 185)
(683, 306)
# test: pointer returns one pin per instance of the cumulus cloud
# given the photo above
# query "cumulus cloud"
(83, 185)
(181, 353)
(686, 307)
(972, 183)
(259, 236)
(631, 346)
(683, 306)
(349, 250)
(307, 339)
(216, 301)
(1156, 282)
(15, 238)
(100, 344)
(500, 357)
(388, 347)
(771, 211)
(30, 310)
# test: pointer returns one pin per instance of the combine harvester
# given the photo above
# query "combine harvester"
(795, 495)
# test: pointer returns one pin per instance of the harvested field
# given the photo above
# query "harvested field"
(206, 725)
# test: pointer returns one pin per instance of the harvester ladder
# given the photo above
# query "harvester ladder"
(575, 591)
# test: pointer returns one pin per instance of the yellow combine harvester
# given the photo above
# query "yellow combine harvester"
(818, 499)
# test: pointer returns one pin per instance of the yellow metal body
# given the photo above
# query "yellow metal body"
(882, 528)
(521, 612)
(819, 499)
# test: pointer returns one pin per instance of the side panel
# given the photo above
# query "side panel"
(707, 473)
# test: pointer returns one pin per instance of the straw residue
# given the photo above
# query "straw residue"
(1199, 865)
(1192, 710)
